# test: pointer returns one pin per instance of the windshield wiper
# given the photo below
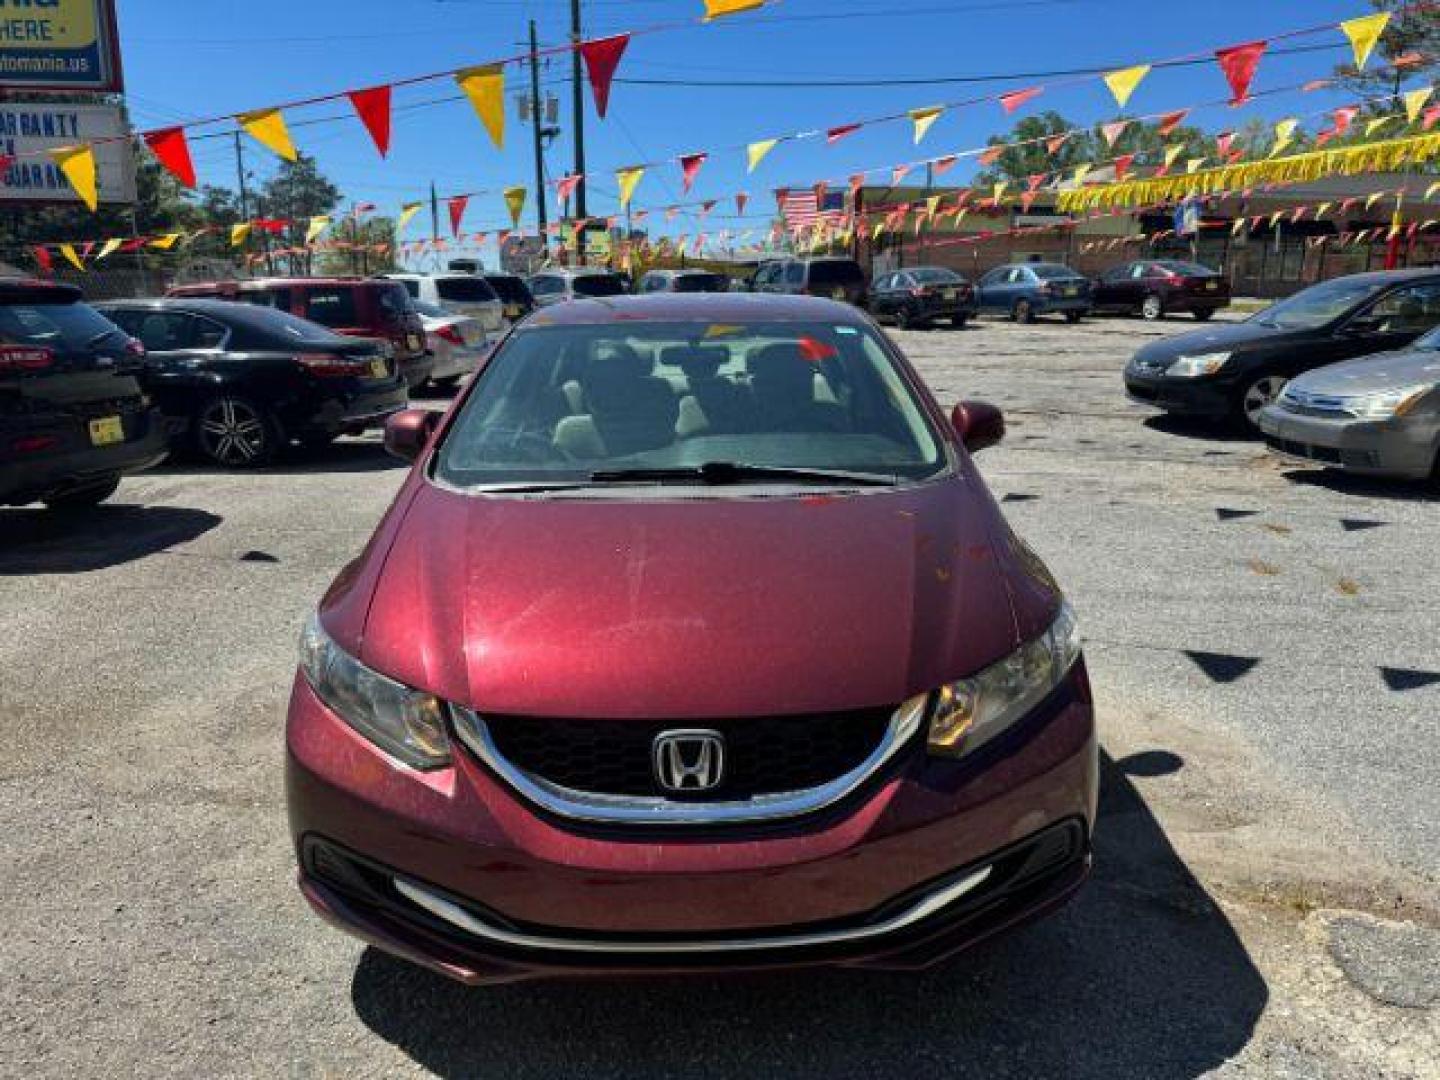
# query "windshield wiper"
(735, 472)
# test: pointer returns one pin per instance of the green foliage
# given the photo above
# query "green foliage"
(1018, 163)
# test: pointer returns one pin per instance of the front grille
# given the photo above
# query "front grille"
(1304, 450)
(763, 755)
(1320, 408)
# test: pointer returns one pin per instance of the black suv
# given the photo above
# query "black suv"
(73, 418)
(838, 279)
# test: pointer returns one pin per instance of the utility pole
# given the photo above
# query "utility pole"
(578, 105)
(929, 185)
(240, 172)
(536, 107)
(435, 224)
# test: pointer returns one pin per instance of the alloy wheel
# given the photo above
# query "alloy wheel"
(232, 432)
(1152, 308)
(1260, 393)
(1023, 312)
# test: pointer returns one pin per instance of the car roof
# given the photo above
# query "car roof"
(271, 282)
(576, 271)
(696, 307)
(227, 311)
(18, 290)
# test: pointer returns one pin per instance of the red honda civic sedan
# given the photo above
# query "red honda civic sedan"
(693, 640)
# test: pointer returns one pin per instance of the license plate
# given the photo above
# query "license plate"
(415, 341)
(951, 294)
(837, 294)
(106, 431)
(1072, 290)
(1212, 285)
(378, 370)
(512, 311)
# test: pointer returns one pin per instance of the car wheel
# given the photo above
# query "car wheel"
(1260, 392)
(1023, 312)
(1152, 308)
(1201, 314)
(83, 498)
(235, 432)
(959, 321)
(1073, 316)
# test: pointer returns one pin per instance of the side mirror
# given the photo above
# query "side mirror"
(406, 433)
(978, 424)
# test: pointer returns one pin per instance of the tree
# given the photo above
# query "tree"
(362, 236)
(297, 192)
(1017, 164)
(1414, 29)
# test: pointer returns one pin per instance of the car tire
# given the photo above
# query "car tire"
(1073, 317)
(235, 433)
(959, 321)
(1201, 314)
(83, 498)
(1258, 392)
(1023, 312)
(1152, 308)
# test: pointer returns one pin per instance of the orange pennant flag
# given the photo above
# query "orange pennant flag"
(78, 165)
(485, 87)
(267, 127)
(717, 9)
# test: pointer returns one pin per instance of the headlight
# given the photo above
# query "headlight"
(1386, 405)
(1190, 367)
(969, 713)
(405, 723)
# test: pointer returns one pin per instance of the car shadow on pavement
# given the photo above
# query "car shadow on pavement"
(1189, 427)
(345, 456)
(1140, 976)
(1365, 487)
(37, 541)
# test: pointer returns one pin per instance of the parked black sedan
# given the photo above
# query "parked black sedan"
(242, 381)
(1154, 288)
(1234, 371)
(922, 295)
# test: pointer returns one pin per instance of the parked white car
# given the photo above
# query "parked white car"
(458, 294)
(458, 342)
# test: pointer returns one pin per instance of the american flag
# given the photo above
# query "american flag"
(802, 210)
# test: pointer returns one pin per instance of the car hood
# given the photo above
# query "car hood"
(1371, 374)
(652, 607)
(1222, 338)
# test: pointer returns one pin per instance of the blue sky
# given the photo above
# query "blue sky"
(209, 57)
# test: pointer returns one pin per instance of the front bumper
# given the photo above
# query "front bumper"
(532, 897)
(1404, 447)
(1206, 397)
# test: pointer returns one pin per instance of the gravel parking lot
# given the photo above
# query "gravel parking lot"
(1266, 900)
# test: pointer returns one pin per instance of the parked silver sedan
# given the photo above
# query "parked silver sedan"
(459, 342)
(1378, 415)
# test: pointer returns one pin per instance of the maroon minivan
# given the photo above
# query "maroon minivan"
(693, 640)
(356, 307)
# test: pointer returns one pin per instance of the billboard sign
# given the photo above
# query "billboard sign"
(27, 131)
(59, 45)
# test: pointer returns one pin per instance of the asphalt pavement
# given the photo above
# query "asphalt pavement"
(1264, 648)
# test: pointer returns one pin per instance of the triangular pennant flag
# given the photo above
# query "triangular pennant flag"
(999, 190)
(1193, 164)
(42, 259)
(1122, 165)
(1375, 125)
(372, 106)
(1344, 117)
(628, 180)
(456, 205)
(565, 187)
(1321, 210)
(78, 165)
(515, 203)
(407, 211)
(1033, 181)
(1122, 83)
(1170, 121)
(239, 232)
(485, 87)
(1223, 141)
(1081, 171)
(317, 225)
(1016, 98)
(166, 242)
(602, 57)
(108, 248)
(1239, 63)
(1432, 114)
(1363, 33)
(1371, 200)
(923, 119)
(1431, 190)
(73, 259)
(1415, 101)
(1173, 152)
(989, 157)
(741, 198)
(173, 152)
(898, 173)
(756, 151)
(1284, 134)
(835, 134)
(715, 9)
(689, 167)
(267, 127)
(1113, 131)
(945, 164)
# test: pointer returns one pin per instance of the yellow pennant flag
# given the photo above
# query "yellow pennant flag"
(1375, 125)
(1321, 209)
(932, 204)
(239, 233)
(515, 203)
(1000, 190)
(1122, 83)
(1193, 165)
(1363, 33)
(485, 87)
(1275, 217)
(1432, 189)
(108, 248)
(166, 242)
(961, 216)
(717, 9)
(318, 224)
(73, 259)
(875, 232)
(1171, 153)
(267, 127)
(756, 152)
(1373, 199)
(78, 165)
(407, 211)
(628, 180)
(1415, 101)
(924, 118)
(1284, 134)
(1081, 171)
(1237, 226)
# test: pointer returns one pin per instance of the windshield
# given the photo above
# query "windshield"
(598, 285)
(702, 283)
(561, 403)
(1188, 269)
(511, 290)
(1319, 304)
(295, 328)
(56, 326)
(934, 275)
(1051, 271)
(465, 290)
(837, 272)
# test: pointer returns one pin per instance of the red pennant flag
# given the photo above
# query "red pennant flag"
(5, 162)
(1428, 118)
(1053, 144)
(1409, 60)
(132, 245)
(1112, 131)
(898, 173)
(706, 207)
(43, 260)
(1034, 181)
(1122, 165)
(457, 206)
(1344, 117)
(1027, 200)
(565, 187)
(171, 150)
(1313, 85)
(989, 157)
(373, 108)
(1170, 121)
(1223, 141)
(1239, 63)
(1324, 137)
(689, 166)
(945, 164)
(835, 134)
(1013, 100)
(1234, 156)
(741, 198)
(602, 57)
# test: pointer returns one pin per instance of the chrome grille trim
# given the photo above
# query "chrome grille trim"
(603, 809)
